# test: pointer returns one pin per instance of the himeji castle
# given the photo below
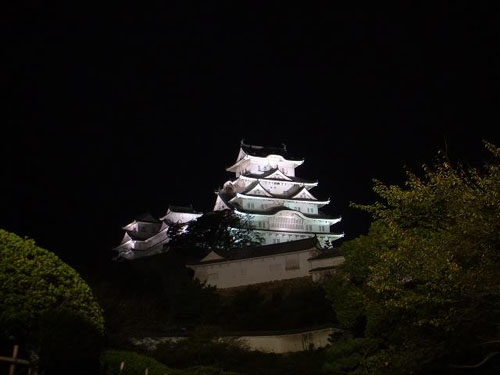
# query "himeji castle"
(278, 204)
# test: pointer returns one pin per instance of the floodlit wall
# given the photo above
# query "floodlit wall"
(295, 342)
(321, 268)
(235, 273)
(327, 262)
(284, 343)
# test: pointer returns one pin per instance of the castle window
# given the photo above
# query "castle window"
(292, 264)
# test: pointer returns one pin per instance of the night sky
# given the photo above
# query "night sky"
(113, 111)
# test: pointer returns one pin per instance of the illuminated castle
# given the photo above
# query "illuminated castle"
(278, 205)
(147, 235)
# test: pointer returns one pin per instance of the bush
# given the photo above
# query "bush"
(288, 304)
(152, 296)
(35, 281)
(204, 349)
(136, 364)
(201, 348)
(69, 344)
(47, 308)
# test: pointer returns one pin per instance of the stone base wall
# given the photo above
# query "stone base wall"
(276, 343)
(288, 343)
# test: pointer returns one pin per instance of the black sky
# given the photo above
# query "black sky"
(114, 110)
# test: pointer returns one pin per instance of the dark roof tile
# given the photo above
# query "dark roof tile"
(266, 250)
(330, 253)
(275, 210)
(271, 171)
(147, 218)
(183, 209)
(263, 151)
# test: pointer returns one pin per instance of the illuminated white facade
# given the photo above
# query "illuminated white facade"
(262, 264)
(279, 205)
(147, 235)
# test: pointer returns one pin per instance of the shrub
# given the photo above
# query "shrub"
(136, 364)
(69, 344)
(47, 308)
(35, 281)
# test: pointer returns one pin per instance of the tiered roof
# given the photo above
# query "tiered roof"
(264, 151)
(147, 218)
(273, 174)
(248, 151)
(274, 210)
(275, 181)
(139, 236)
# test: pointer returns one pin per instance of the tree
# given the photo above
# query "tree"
(424, 280)
(35, 282)
(214, 230)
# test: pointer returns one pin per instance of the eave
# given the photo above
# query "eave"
(327, 220)
(233, 167)
(304, 183)
(274, 157)
(261, 197)
(317, 234)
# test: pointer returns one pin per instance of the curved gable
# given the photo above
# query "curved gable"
(304, 194)
(211, 256)
(220, 204)
(277, 174)
(258, 189)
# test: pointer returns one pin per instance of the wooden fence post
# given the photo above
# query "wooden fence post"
(12, 367)
(14, 360)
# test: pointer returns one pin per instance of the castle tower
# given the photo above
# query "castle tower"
(278, 205)
(147, 235)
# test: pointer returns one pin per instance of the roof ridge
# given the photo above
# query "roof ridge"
(260, 147)
(147, 217)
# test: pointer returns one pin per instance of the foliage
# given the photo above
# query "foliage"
(137, 363)
(214, 230)
(201, 348)
(133, 364)
(35, 281)
(424, 280)
(348, 356)
(275, 306)
(69, 344)
(204, 349)
(152, 295)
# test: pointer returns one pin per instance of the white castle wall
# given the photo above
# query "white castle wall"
(283, 343)
(295, 342)
(259, 165)
(235, 273)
